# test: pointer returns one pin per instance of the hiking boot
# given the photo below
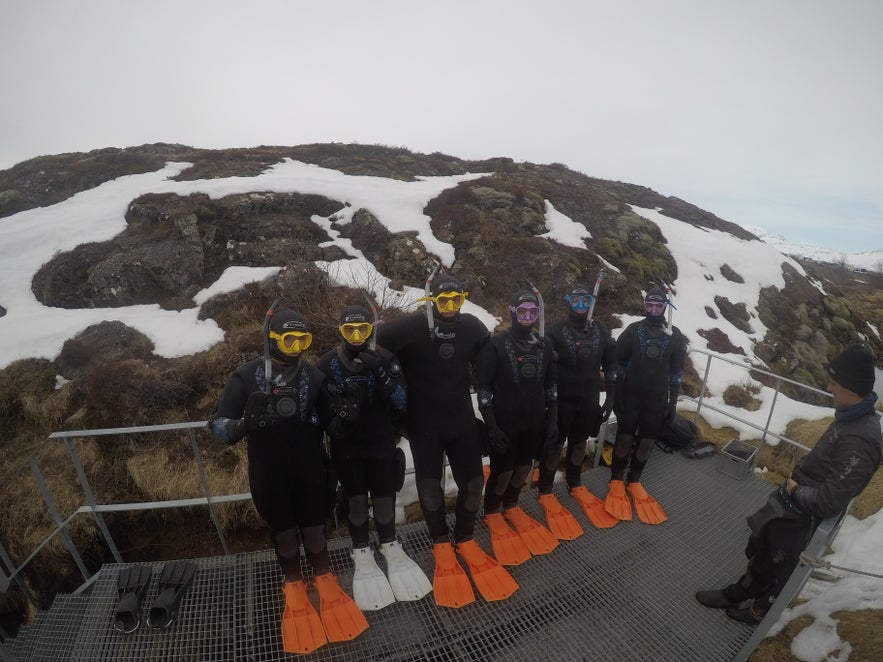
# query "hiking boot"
(715, 599)
(747, 615)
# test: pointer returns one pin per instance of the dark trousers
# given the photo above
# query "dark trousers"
(773, 553)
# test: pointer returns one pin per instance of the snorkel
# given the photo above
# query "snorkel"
(268, 363)
(594, 299)
(372, 343)
(668, 293)
(536, 293)
(429, 304)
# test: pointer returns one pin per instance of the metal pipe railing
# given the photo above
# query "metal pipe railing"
(96, 510)
(765, 429)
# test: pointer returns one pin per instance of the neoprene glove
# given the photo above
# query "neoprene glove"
(500, 443)
(370, 360)
(670, 411)
(499, 440)
(256, 416)
(235, 429)
(551, 434)
(609, 397)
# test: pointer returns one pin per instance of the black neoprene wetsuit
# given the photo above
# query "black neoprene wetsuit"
(363, 439)
(440, 417)
(582, 354)
(287, 465)
(650, 363)
(515, 374)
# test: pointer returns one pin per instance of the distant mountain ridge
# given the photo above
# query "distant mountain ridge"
(872, 260)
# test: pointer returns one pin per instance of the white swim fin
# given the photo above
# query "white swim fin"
(371, 589)
(407, 579)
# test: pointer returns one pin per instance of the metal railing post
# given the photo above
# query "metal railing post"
(207, 492)
(90, 498)
(766, 427)
(704, 387)
(56, 516)
(10, 567)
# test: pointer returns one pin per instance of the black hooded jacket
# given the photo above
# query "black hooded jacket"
(838, 467)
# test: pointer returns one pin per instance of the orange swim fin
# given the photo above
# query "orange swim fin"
(539, 539)
(450, 585)
(302, 630)
(342, 619)
(561, 523)
(647, 508)
(617, 503)
(593, 508)
(508, 547)
(491, 579)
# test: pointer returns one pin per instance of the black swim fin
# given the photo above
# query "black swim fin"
(132, 583)
(174, 581)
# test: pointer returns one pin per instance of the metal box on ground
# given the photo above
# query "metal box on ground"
(737, 459)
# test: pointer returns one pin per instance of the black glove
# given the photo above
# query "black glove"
(235, 428)
(670, 411)
(609, 398)
(551, 433)
(370, 360)
(258, 412)
(499, 440)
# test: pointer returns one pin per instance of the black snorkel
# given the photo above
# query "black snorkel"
(268, 363)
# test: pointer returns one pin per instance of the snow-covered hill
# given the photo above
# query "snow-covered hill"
(871, 260)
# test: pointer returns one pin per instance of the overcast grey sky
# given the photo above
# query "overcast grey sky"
(765, 112)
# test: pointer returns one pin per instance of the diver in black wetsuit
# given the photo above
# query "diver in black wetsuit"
(367, 396)
(368, 389)
(517, 398)
(286, 461)
(440, 418)
(651, 356)
(441, 421)
(287, 471)
(583, 348)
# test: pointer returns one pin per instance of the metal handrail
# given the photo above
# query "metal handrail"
(765, 429)
(10, 572)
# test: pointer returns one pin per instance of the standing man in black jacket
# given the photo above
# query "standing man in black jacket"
(821, 485)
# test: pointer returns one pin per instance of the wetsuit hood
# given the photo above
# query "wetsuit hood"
(655, 295)
(283, 321)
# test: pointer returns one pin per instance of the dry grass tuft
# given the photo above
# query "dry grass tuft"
(778, 648)
(862, 630)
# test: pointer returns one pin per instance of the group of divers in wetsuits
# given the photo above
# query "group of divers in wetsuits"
(537, 392)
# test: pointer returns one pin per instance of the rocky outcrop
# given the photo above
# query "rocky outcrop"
(174, 246)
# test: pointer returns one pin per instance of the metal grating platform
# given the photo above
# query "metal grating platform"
(624, 593)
